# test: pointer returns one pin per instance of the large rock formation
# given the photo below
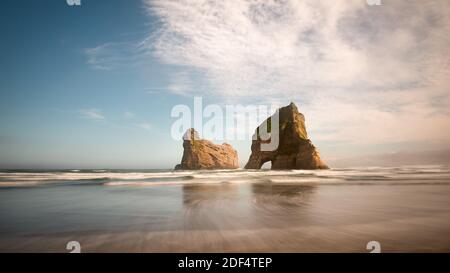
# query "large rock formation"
(295, 150)
(203, 154)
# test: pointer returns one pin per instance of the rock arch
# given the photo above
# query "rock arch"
(295, 150)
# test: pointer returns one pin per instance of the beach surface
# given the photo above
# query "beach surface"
(405, 209)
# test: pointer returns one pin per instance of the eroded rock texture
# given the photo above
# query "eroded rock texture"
(295, 150)
(202, 154)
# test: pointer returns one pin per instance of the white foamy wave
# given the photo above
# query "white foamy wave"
(404, 174)
(247, 173)
(17, 184)
(142, 183)
(88, 176)
(169, 183)
(289, 180)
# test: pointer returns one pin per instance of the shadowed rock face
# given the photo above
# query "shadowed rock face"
(295, 150)
(200, 154)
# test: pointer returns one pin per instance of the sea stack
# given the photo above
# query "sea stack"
(295, 150)
(201, 154)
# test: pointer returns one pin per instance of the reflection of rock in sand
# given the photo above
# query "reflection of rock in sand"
(209, 206)
(282, 195)
(198, 194)
(282, 190)
(251, 206)
(280, 205)
(195, 195)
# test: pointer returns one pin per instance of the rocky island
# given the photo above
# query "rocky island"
(201, 154)
(295, 150)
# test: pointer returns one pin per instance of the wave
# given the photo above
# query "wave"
(84, 176)
(17, 184)
(370, 175)
(174, 182)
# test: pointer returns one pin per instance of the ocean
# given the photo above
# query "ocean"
(404, 209)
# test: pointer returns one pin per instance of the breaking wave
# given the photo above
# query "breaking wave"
(369, 175)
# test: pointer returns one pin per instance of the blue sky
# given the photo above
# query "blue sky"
(46, 82)
(93, 86)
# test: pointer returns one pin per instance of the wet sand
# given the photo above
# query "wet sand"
(228, 217)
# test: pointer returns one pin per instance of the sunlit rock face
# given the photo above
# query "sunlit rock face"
(201, 154)
(295, 150)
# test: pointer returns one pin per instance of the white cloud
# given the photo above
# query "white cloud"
(93, 114)
(180, 83)
(145, 126)
(360, 73)
(128, 115)
(115, 55)
(287, 47)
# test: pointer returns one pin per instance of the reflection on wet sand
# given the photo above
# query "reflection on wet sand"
(196, 194)
(237, 207)
(284, 195)
(209, 207)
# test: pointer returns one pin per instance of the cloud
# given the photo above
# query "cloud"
(116, 55)
(128, 115)
(286, 47)
(180, 84)
(145, 126)
(93, 114)
(362, 74)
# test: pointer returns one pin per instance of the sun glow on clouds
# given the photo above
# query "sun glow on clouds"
(287, 47)
(364, 73)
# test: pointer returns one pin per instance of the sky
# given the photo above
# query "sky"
(93, 86)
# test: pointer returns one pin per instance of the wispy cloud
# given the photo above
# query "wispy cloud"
(116, 55)
(92, 113)
(362, 73)
(287, 47)
(129, 115)
(145, 126)
(180, 84)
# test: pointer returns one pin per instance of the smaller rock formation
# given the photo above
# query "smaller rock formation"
(295, 150)
(200, 154)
